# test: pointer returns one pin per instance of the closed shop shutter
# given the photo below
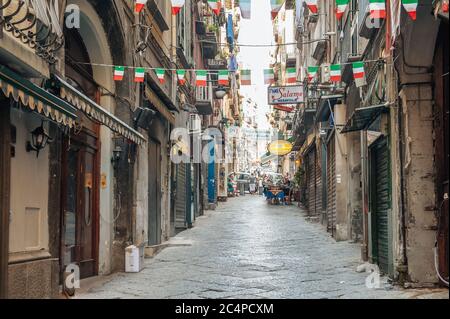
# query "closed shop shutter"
(180, 202)
(381, 201)
(318, 168)
(331, 186)
(311, 176)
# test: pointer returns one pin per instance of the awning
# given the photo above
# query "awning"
(156, 102)
(97, 112)
(363, 117)
(36, 98)
(325, 102)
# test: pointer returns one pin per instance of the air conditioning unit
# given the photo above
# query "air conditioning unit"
(195, 124)
(325, 73)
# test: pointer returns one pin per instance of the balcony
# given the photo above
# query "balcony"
(30, 36)
(204, 99)
(210, 48)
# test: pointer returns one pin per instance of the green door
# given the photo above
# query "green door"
(380, 202)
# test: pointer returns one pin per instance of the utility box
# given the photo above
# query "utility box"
(134, 258)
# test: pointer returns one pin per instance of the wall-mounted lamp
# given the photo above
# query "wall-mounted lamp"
(220, 92)
(116, 154)
(39, 140)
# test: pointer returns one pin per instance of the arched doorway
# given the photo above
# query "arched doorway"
(80, 169)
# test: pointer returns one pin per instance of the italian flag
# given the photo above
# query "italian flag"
(341, 6)
(160, 74)
(119, 72)
(359, 73)
(140, 4)
(276, 7)
(411, 7)
(269, 76)
(223, 77)
(312, 72)
(291, 75)
(139, 75)
(176, 6)
(377, 9)
(181, 75)
(201, 77)
(335, 73)
(312, 5)
(246, 77)
(215, 6)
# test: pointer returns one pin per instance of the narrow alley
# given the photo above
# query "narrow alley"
(249, 249)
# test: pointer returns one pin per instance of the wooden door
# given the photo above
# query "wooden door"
(79, 232)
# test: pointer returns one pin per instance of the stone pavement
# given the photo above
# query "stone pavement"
(249, 249)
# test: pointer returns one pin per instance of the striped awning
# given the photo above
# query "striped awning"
(35, 98)
(97, 112)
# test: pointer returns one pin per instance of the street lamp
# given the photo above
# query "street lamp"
(39, 140)
(220, 92)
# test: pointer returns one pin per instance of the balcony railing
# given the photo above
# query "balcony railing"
(204, 99)
(35, 24)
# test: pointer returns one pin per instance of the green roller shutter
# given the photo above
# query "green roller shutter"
(180, 201)
(381, 202)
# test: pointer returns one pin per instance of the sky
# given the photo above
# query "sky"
(257, 30)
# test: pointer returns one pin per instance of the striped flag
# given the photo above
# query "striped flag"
(341, 6)
(201, 76)
(377, 9)
(269, 76)
(276, 7)
(359, 74)
(246, 77)
(181, 75)
(119, 72)
(246, 8)
(312, 72)
(224, 77)
(215, 6)
(160, 73)
(139, 5)
(411, 7)
(291, 75)
(335, 73)
(139, 75)
(176, 6)
(312, 5)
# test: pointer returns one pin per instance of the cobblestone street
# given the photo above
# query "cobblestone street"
(248, 249)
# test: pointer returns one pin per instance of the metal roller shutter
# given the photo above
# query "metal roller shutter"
(331, 186)
(311, 176)
(381, 201)
(318, 168)
(180, 202)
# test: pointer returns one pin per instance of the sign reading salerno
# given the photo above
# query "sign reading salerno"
(280, 148)
(285, 94)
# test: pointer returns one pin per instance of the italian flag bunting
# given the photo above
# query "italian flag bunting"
(269, 76)
(377, 9)
(201, 77)
(181, 75)
(276, 7)
(312, 6)
(119, 72)
(291, 75)
(176, 6)
(335, 73)
(312, 72)
(223, 77)
(246, 77)
(359, 74)
(341, 6)
(140, 4)
(215, 6)
(411, 7)
(139, 75)
(160, 74)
